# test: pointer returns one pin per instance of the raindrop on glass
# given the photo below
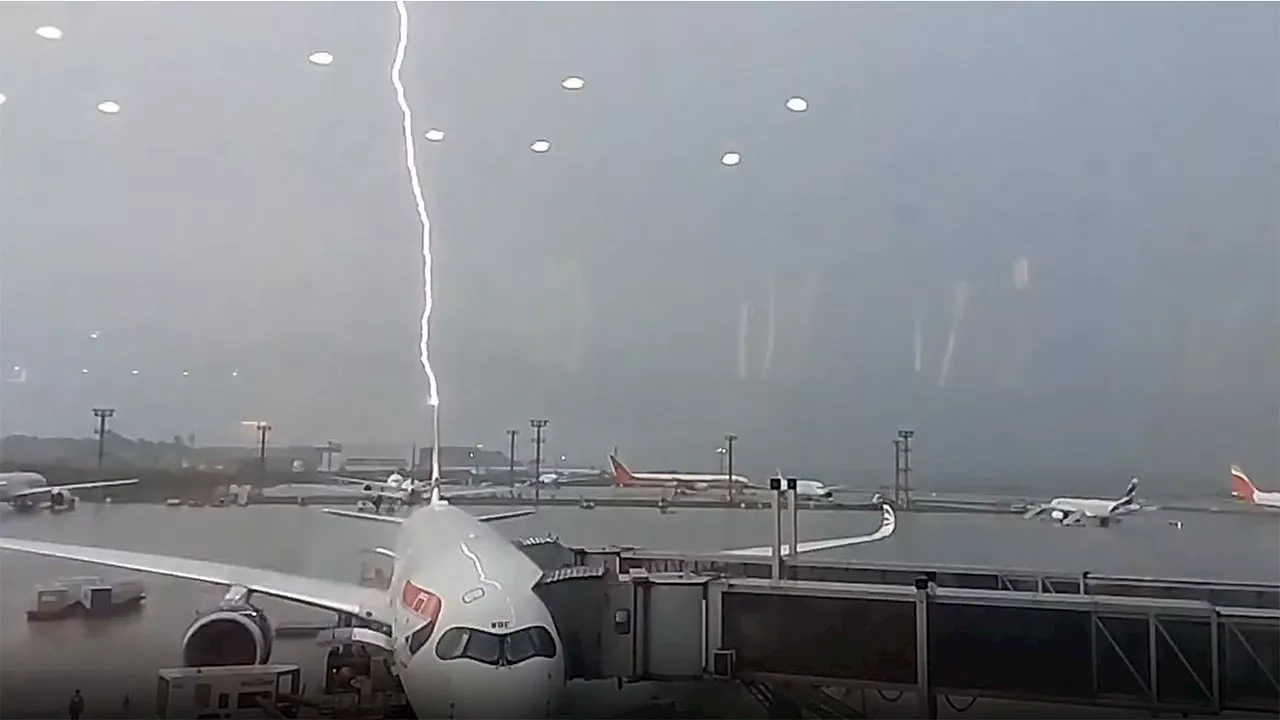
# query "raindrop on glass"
(2, 98)
(797, 104)
(730, 159)
(49, 32)
(320, 58)
(540, 146)
(109, 107)
(434, 135)
(573, 82)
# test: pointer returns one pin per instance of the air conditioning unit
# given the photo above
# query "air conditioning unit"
(722, 664)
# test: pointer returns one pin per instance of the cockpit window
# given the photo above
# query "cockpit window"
(419, 637)
(528, 643)
(494, 649)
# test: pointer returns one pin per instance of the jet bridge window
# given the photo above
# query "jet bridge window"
(493, 649)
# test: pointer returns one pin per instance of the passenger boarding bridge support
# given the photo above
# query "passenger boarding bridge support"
(1145, 644)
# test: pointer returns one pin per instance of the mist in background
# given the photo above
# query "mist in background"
(1046, 236)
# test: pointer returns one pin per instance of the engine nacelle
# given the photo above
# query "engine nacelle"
(230, 635)
(61, 500)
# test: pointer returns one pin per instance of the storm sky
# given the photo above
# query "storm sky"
(1047, 236)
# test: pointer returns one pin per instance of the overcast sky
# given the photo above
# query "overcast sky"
(1088, 193)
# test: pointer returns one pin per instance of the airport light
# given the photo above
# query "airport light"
(537, 424)
(511, 461)
(729, 440)
(102, 414)
(904, 443)
(720, 453)
(263, 429)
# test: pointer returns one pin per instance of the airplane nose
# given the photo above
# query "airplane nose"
(463, 690)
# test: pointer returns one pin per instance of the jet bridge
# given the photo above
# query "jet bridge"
(1161, 655)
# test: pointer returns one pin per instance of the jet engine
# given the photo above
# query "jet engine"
(232, 634)
(61, 500)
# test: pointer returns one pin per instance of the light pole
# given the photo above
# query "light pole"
(905, 436)
(102, 414)
(537, 424)
(263, 429)
(729, 440)
(511, 461)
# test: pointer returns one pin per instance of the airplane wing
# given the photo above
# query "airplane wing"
(888, 523)
(345, 598)
(397, 520)
(29, 492)
(447, 492)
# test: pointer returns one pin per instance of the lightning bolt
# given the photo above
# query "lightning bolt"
(410, 155)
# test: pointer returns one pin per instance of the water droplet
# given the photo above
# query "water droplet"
(84, 371)
(49, 32)
(540, 146)
(185, 373)
(730, 159)
(320, 58)
(434, 134)
(797, 104)
(93, 335)
(2, 98)
(134, 372)
(235, 373)
(573, 82)
(109, 107)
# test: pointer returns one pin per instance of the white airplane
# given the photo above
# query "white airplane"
(468, 635)
(1075, 511)
(24, 491)
(399, 490)
(807, 489)
(1242, 487)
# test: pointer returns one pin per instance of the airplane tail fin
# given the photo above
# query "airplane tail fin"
(1241, 486)
(621, 475)
(1129, 498)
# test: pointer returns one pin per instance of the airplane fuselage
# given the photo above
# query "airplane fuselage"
(13, 483)
(471, 638)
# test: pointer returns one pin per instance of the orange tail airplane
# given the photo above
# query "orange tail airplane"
(688, 482)
(1243, 488)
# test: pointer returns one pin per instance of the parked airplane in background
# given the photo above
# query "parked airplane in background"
(400, 489)
(24, 491)
(468, 634)
(686, 482)
(1074, 511)
(807, 489)
(1242, 487)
